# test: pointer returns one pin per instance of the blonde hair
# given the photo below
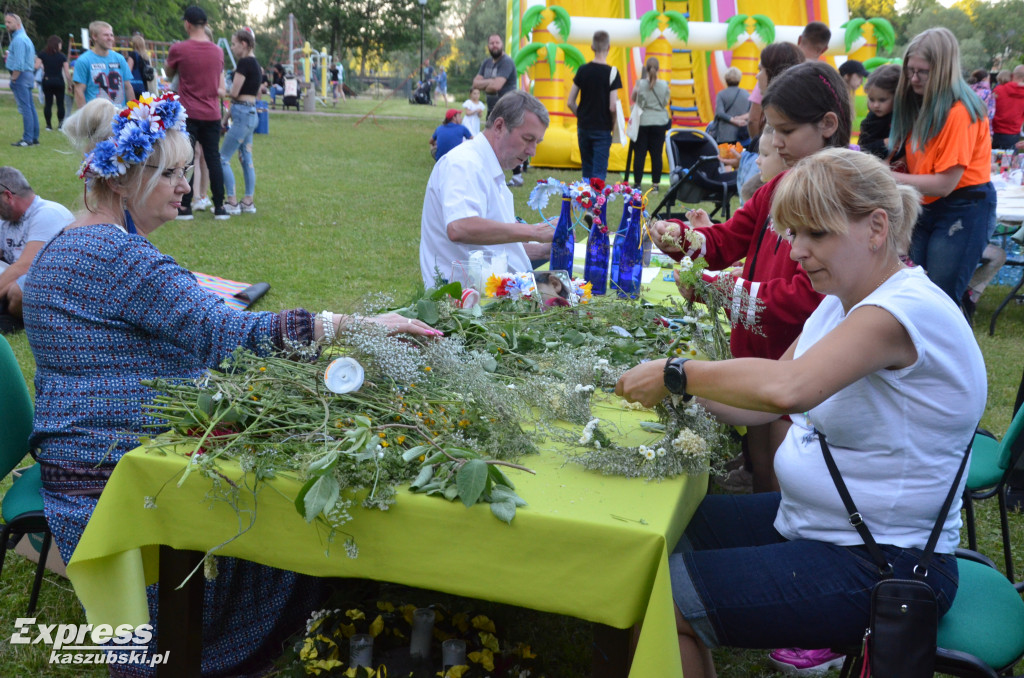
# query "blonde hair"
(848, 186)
(733, 76)
(92, 124)
(138, 44)
(95, 26)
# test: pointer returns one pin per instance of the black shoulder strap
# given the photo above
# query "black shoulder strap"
(857, 520)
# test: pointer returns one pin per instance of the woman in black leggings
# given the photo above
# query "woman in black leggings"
(55, 78)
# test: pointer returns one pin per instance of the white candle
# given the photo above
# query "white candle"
(422, 631)
(453, 653)
(360, 649)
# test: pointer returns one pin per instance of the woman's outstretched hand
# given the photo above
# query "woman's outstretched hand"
(398, 324)
(644, 384)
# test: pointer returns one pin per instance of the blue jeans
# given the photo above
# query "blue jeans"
(594, 147)
(239, 138)
(739, 583)
(950, 236)
(22, 88)
(275, 91)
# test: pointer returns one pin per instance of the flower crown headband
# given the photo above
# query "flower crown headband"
(136, 129)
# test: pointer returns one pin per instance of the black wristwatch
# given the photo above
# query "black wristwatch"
(675, 378)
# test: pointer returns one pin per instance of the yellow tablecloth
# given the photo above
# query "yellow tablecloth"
(587, 545)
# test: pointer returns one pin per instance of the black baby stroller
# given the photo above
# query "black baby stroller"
(422, 94)
(292, 96)
(696, 174)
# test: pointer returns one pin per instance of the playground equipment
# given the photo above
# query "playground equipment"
(695, 42)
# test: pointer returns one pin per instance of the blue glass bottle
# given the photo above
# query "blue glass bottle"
(595, 270)
(631, 260)
(620, 234)
(564, 240)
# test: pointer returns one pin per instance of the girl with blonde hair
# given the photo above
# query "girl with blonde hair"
(888, 371)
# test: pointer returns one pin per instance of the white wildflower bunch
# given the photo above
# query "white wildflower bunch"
(397, 360)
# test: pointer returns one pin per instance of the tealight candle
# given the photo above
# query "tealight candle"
(360, 650)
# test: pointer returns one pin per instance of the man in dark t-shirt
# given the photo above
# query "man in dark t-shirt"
(592, 99)
(497, 77)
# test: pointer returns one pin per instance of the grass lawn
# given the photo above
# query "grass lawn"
(339, 198)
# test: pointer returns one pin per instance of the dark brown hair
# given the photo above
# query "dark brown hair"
(806, 93)
(52, 44)
(884, 78)
(778, 56)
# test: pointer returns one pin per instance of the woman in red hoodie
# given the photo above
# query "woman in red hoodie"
(809, 109)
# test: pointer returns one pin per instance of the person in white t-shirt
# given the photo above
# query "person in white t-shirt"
(888, 370)
(473, 111)
(468, 206)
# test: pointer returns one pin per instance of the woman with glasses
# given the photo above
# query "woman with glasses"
(104, 311)
(942, 127)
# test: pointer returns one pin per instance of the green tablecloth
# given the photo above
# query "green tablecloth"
(587, 545)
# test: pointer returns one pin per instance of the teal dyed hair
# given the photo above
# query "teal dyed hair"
(920, 117)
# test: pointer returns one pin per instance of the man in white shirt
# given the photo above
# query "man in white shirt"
(468, 206)
(27, 222)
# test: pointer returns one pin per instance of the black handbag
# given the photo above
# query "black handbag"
(901, 638)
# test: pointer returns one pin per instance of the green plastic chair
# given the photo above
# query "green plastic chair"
(22, 505)
(982, 634)
(991, 463)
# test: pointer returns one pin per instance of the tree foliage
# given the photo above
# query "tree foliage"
(369, 29)
(156, 19)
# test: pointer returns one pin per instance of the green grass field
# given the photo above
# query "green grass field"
(339, 198)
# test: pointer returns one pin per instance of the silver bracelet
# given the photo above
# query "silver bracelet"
(327, 320)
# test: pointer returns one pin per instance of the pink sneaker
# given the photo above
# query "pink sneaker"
(794, 661)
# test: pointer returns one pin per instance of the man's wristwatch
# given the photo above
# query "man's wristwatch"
(675, 378)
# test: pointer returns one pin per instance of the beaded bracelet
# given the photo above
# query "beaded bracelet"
(327, 319)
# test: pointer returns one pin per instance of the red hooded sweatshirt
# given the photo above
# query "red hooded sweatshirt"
(1009, 109)
(769, 276)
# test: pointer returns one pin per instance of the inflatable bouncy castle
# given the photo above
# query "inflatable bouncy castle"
(695, 42)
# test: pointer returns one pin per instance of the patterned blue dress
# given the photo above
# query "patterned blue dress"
(104, 310)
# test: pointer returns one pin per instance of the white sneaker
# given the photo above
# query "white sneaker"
(202, 204)
(516, 180)
(232, 209)
(248, 208)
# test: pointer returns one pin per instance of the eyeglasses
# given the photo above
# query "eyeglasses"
(920, 74)
(175, 174)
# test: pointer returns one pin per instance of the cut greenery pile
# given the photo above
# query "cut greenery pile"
(444, 415)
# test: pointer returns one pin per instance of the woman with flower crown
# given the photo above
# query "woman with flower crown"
(104, 311)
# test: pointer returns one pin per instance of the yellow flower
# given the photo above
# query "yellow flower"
(383, 443)
(382, 434)
(455, 671)
(355, 614)
(377, 626)
(493, 283)
(400, 440)
(484, 658)
(482, 623)
(524, 652)
(385, 606)
(463, 423)
(263, 369)
(586, 290)
(427, 368)
(489, 641)
(308, 650)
